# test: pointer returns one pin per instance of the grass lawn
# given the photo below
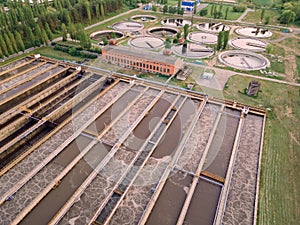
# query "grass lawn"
(292, 43)
(278, 67)
(230, 16)
(298, 68)
(254, 17)
(13, 59)
(173, 2)
(266, 2)
(51, 53)
(280, 178)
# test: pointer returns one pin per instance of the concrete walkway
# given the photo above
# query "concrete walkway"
(244, 14)
(111, 18)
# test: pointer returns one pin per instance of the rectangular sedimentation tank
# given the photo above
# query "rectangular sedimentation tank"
(83, 146)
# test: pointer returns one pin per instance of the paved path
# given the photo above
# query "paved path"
(111, 18)
(285, 36)
(244, 14)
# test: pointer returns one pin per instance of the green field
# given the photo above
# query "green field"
(280, 178)
(254, 17)
(266, 2)
(51, 53)
(230, 16)
(298, 68)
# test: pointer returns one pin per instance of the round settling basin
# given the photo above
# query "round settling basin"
(213, 27)
(249, 44)
(256, 32)
(143, 18)
(192, 50)
(128, 26)
(173, 22)
(109, 34)
(163, 31)
(147, 42)
(203, 38)
(244, 60)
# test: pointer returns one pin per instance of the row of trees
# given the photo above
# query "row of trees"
(223, 38)
(35, 24)
(215, 12)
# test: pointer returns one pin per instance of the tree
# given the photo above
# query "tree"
(181, 11)
(102, 9)
(203, 12)
(195, 7)
(178, 35)
(48, 31)
(269, 49)
(239, 7)
(30, 37)
(3, 46)
(212, 10)
(220, 40)
(185, 31)
(64, 32)
(45, 37)
(38, 35)
(85, 41)
(226, 13)
(72, 31)
(154, 8)
(13, 41)
(112, 35)
(165, 9)
(65, 18)
(287, 17)
(178, 6)
(262, 14)
(105, 41)
(226, 39)
(1, 54)
(267, 20)
(8, 44)
(19, 41)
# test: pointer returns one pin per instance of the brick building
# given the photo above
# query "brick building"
(142, 60)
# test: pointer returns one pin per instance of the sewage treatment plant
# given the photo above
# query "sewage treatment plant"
(85, 146)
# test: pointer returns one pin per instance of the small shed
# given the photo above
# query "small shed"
(253, 88)
(207, 75)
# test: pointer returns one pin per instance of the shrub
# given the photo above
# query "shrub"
(239, 8)
(203, 12)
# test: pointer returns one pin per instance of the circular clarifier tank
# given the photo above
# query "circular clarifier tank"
(192, 50)
(256, 32)
(175, 22)
(163, 31)
(143, 18)
(213, 27)
(109, 34)
(128, 26)
(147, 42)
(202, 38)
(244, 60)
(249, 44)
